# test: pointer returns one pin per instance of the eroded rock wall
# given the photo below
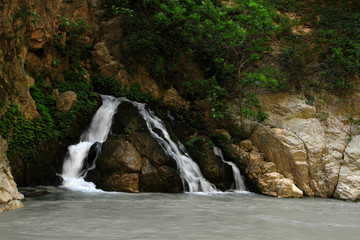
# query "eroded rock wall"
(10, 198)
(309, 144)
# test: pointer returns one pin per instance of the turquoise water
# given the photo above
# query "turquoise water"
(65, 214)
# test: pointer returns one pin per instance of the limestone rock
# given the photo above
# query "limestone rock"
(349, 178)
(310, 141)
(261, 175)
(246, 144)
(66, 101)
(38, 38)
(175, 101)
(287, 151)
(55, 93)
(10, 198)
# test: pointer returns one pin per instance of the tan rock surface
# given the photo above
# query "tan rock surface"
(306, 142)
(262, 175)
(349, 177)
(66, 101)
(10, 198)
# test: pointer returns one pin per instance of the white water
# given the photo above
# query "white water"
(239, 181)
(97, 132)
(189, 170)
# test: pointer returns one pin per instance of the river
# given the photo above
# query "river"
(66, 214)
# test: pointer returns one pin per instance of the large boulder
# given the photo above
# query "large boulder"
(261, 176)
(287, 151)
(132, 160)
(10, 198)
(349, 179)
(118, 166)
(212, 167)
(66, 101)
(306, 142)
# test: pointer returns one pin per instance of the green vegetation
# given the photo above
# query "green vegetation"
(328, 56)
(108, 85)
(224, 39)
(26, 136)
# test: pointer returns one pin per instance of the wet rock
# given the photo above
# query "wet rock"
(66, 101)
(162, 179)
(349, 177)
(89, 161)
(10, 197)
(260, 175)
(212, 167)
(118, 166)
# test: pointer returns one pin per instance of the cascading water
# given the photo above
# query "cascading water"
(97, 133)
(189, 171)
(239, 182)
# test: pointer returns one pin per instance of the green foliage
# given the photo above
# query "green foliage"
(24, 135)
(339, 30)
(220, 139)
(26, 15)
(335, 38)
(72, 32)
(224, 39)
(109, 86)
(128, 131)
(192, 141)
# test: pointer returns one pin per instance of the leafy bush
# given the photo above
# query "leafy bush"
(223, 38)
(108, 85)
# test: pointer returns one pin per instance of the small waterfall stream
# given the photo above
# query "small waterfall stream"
(239, 181)
(98, 131)
(190, 172)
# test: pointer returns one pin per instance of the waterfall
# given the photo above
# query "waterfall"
(97, 132)
(239, 182)
(189, 171)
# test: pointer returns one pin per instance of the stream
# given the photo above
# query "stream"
(66, 214)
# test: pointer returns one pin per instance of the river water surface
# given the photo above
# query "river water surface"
(66, 214)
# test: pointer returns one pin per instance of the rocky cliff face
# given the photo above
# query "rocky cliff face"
(10, 198)
(301, 149)
(311, 144)
(27, 32)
